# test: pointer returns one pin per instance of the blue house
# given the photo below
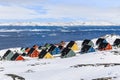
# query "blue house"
(54, 50)
(87, 49)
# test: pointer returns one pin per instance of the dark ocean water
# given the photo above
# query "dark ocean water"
(27, 36)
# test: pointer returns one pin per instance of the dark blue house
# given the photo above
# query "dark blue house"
(87, 49)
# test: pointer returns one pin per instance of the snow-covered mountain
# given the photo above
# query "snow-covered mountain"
(58, 24)
(88, 66)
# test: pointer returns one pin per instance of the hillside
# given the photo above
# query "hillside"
(81, 67)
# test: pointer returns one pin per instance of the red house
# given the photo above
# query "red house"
(33, 53)
(104, 46)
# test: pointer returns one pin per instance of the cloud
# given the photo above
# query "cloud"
(21, 2)
(16, 12)
(41, 9)
(60, 11)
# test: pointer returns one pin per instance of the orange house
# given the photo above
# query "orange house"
(33, 53)
(104, 46)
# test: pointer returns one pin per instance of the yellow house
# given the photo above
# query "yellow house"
(48, 56)
(45, 54)
(73, 45)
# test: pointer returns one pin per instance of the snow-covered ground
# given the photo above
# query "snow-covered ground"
(66, 68)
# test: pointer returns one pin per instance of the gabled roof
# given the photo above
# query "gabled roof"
(31, 50)
(103, 45)
(7, 52)
(70, 44)
(100, 40)
(60, 47)
(42, 53)
(117, 42)
(85, 42)
(65, 51)
(52, 48)
(15, 56)
(27, 48)
(85, 48)
(35, 46)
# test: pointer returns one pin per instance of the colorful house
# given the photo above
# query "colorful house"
(104, 46)
(67, 52)
(87, 42)
(101, 40)
(61, 47)
(47, 46)
(54, 50)
(22, 49)
(87, 49)
(27, 50)
(72, 45)
(45, 54)
(17, 57)
(8, 55)
(35, 46)
(116, 43)
(33, 52)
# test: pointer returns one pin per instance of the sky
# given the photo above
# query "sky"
(59, 10)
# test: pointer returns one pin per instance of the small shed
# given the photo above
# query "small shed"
(101, 40)
(17, 57)
(67, 52)
(87, 49)
(117, 42)
(8, 55)
(88, 42)
(45, 54)
(27, 50)
(72, 45)
(33, 52)
(54, 50)
(104, 46)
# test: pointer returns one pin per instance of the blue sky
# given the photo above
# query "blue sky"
(59, 10)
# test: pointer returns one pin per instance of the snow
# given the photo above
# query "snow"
(77, 23)
(63, 69)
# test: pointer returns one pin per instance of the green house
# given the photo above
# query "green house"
(66, 52)
(8, 55)
(87, 42)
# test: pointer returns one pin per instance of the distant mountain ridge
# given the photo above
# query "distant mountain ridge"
(59, 24)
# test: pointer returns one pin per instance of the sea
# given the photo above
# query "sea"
(27, 36)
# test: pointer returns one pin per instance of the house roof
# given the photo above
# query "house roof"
(7, 52)
(100, 40)
(117, 42)
(85, 48)
(103, 45)
(31, 50)
(27, 48)
(15, 56)
(65, 51)
(52, 48)
(42, 53)
(85, 42)
(70, 44)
